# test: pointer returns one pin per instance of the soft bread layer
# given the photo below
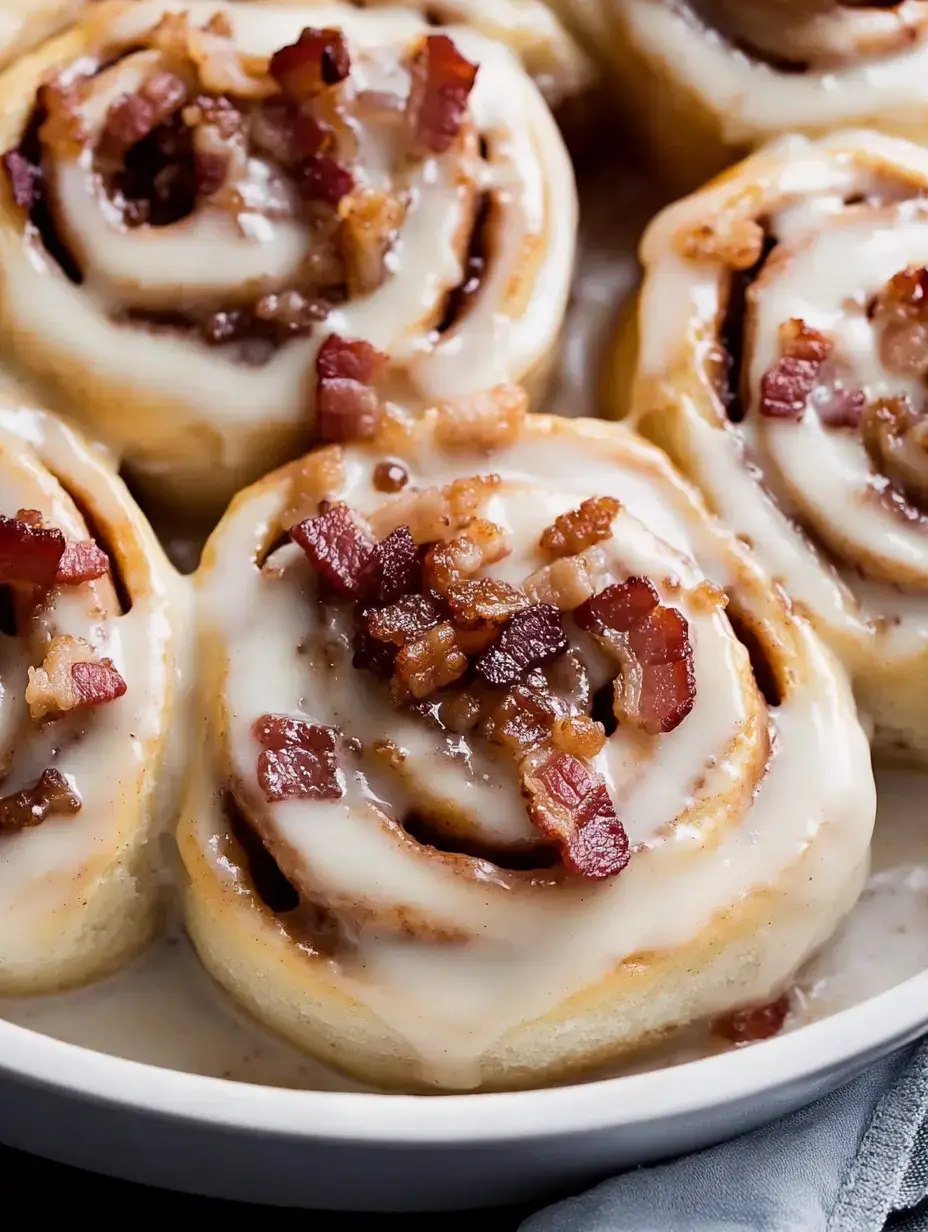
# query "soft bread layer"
(81, 894)
(195, 424)
(762, 478)
(458, 973)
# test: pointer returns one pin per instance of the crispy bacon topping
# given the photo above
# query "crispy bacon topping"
(71, 678)
(442, 80)
(390, 476)
(396, 568)
(347, 405)
(657, 686)
(565, 583)
(323, 178)
(338, 548)
(484, 543)
(431, 663)
(579, 735)
(896, 438)
(571, 805)
(406, 620)
(318, 60)
(581, 528)
(24, 179)
(533, 636)
(297, 759)
(32, 553)
(787, 385)
(523, 719)
(51, 795)
(131, 118)
(753, 1023)
(900, 314)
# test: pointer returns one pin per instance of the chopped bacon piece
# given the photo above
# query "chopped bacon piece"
(838, 407)
(30, 553)
(565, 583)
(571, 805)
(338, 548)
(297, 760)
(24, 178)
(896, 438)
(533, 636)
(579, 735)
(70, 678)
(347, 405)
(81, 561)
(390, 476)
(396, 568)
(370, 655)
(323, 178)
(406, 620)
(318, 60)
(479, 602)
(438, 513)
(484, 543)
(581, 528)
(442, 80)
(131, 118)
(753, 1023)
(429, 664)
(900, 314)
(657, 686)
(51, 795)
(789, 383)
(523, 719)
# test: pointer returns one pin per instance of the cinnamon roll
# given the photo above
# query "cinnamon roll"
(231, 229)
(705, 81)
(511, 755)
(783, 360)
(88, 639)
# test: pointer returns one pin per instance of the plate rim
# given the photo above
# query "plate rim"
(872, 1028)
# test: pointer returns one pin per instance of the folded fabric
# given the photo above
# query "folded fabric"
(844, 1164)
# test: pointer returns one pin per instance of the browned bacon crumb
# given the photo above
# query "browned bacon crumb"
(318, 60)
(50, 796)
(570, 804)
(533, 636)
(565, 583)
(347, 404)
(523, 719)
(338, 548)
(754, 1022)
(579, 735)
(657, 686)
(297, 759)
(71, 678)
(406, 620)
(788, 384)
(390, 476)
(442, 80)
(32, 553)
(900, 314)
(579, 529)
(324, 178)
(484, 543)
(131, 118)
(24, 178)
(476, 603)
(896, 438)
(431, 663)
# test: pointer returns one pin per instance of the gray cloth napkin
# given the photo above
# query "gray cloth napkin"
(846, 1164)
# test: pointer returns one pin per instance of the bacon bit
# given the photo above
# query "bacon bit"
(437, 513)
(406, 620)
(736, 242)
(581, 528)
(565, 583)
(390, 476)
(81, 561)
(477, 603)
(25, 179)
(571, 805)
(370, 222)
(30, 553)
(579, 735)
(896, 438)
(460, 712)
(131, 118)
(318, 60)
(523, 719)
(838, 407)
(442, 80)
(789, 383)
(323, 178)
(533, 636)
(657, 688)
(396, 568)
(338, 548)
(371, 655)
(484, 421)
(347, 405)
(428, 664)
(297, 761)
(900, 313)
(753, 1023)
(70, 678)
(446, 563)
(50, 796)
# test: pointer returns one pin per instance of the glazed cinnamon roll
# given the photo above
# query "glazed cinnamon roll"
(783, 361)
(89, 630)
(501, 743)
(707, 80)
(228, 230)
